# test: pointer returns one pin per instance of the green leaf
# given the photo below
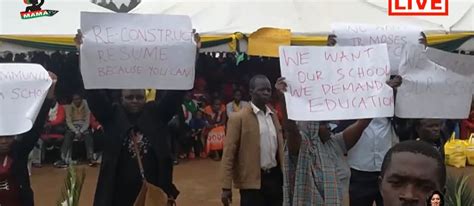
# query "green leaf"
(71, 192)
(458, 192)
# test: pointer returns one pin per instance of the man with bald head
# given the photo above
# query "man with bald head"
(253, 151)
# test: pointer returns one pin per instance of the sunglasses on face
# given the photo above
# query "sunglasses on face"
(136, 97)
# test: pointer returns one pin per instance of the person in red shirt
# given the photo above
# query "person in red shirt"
(55, 126)
(15, 189)
(53, 132)
(467, 125)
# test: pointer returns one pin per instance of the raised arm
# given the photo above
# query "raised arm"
(353, 133)
(291, 131)
(100, 105)
(467, 123)
(30, 138)
(98, 100)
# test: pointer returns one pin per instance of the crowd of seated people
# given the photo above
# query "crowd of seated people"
(66, 125)
(204, 115)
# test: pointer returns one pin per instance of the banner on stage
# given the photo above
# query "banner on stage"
(266, 41)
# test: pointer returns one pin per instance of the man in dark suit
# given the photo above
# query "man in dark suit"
(253, 151)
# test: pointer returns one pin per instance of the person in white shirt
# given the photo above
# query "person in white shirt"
(365, 160)
(253, 151)
(236, 104)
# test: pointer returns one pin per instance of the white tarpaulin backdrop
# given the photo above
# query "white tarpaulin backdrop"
(228, 16)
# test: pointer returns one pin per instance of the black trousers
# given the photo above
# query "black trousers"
(364, 188)
(270, 192)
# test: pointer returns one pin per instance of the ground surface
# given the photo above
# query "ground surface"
(198, 181)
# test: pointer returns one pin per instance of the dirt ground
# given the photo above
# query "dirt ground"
(198, 181)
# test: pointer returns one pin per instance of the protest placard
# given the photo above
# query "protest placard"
(430, 90)
(23, 88)
(458, 63)
(395, 36)
(336, 83)
(136, 51)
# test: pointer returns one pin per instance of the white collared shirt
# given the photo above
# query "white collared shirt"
(268, 138)
(368, 153)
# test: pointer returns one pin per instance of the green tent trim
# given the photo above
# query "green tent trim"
(446, 42)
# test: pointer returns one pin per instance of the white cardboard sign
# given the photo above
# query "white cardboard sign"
(336, 83)
(23, 88)
(395, 36)
(430, 90)
(136, 51)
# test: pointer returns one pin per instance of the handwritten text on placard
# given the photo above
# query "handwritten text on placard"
(23, 88)
(395, 36)
(430, 90)
(137, 51)
(331, 83)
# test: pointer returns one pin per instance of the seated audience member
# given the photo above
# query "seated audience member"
(228, 91)
(94, 124)
(15, 188)
(53, 133)
(98, 135)
(216, 119)
(208, 109)
(190, 107)
(411, 172)
(197, 124)
(180, 130)
(237, 103)
(199, 92)
(55, 125)
(55, 121)
(467, 125)
(181, 133)
(429, 131)
(78, 127)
